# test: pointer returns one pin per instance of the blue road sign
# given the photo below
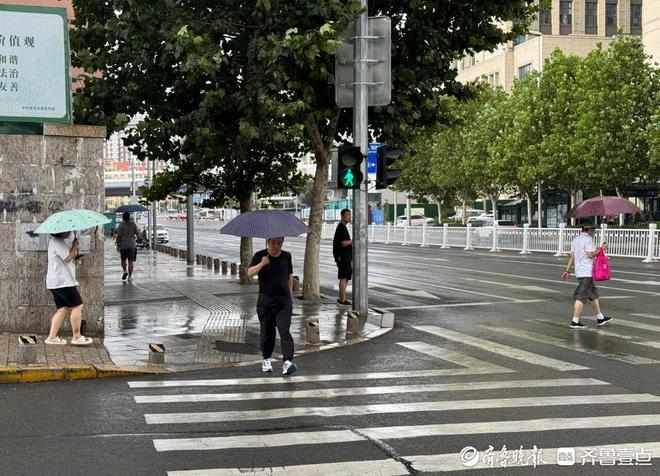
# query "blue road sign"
(371, 156)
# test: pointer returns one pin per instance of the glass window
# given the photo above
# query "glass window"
(519, 39)
(635, 16)
(545, 17)
(524, 70)
(566, 13)
(591, 14)
(610, 15)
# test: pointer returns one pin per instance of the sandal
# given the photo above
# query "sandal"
(82, 340)
(54, 341)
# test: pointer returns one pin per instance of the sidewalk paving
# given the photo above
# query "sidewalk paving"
(203, 319)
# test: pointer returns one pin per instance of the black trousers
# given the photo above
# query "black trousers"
(275, 313)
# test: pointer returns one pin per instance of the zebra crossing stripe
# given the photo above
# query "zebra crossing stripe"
(453, 462)
(635, 324)
(310, 378)
(449, 355)
(650, 316)
(356, 391)
(361, 410)
(274, 440)
(501, 349)
(384, 467)
(605, 332)
(572, 345)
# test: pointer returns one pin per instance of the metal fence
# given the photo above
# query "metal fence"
(629, 243)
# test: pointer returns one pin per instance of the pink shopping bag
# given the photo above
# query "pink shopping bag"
(602, 270)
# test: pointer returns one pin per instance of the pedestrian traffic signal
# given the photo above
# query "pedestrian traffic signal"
(386, 174)
(349, 163)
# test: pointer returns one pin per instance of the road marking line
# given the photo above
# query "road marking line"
(449, 355)
(560, 265)
(306, 378)
(453, 462)
(636, 325)
(509, 285)
(650, 316)
(381, 467)
(464, 304)
(355, 391)
(604, 332)
(274, 440)
(362, 410)
(501, 349)
(572, 345)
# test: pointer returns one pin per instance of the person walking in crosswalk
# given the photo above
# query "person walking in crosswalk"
(583, 252)
(274, 268)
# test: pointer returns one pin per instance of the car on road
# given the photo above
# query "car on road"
(486, 228)
(415, 220)
(162, 235)
(482, 217)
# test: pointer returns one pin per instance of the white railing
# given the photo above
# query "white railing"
(623, 242)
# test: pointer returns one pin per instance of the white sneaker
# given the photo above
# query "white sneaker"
(266, 366)
(288, 368)
(55, 341)
(82, 340)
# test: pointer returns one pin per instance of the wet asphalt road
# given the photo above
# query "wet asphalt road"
(480, 356)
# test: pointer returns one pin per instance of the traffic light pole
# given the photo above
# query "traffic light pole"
(361, 140)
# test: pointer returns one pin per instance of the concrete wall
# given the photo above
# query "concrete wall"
(40, 175)
(651, 28)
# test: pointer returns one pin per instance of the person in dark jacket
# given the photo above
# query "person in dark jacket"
(342, 250)
(274, 308)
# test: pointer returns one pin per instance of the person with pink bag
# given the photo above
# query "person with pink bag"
(583, 254)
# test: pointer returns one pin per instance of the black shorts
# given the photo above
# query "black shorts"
(344, 269)
(129, 254)
(586, 290)
(66, 297)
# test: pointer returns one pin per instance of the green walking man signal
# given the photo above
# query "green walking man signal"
(349, 163)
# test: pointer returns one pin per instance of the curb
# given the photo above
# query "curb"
(44, 373)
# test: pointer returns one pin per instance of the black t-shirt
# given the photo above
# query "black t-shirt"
(339, 251)
(274, 277)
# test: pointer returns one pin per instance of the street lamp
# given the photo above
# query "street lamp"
(538, 84)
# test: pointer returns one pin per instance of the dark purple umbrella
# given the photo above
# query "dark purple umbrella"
(265, 224)
(602, 206)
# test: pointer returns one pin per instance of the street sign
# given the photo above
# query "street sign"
(371, 162)
(35, 70)
(379, 64)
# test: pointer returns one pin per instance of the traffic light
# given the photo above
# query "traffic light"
(386, 174)
(349, 163)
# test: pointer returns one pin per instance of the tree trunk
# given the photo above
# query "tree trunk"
(311, 282)
(530, 207)
(573, 198)
(464, 201)
(246, 248)
(621, 216)
(438, 203)
(493, 199)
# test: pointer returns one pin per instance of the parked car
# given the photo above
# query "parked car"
(415, 220)
(162, 235)
(482, 217)
(458, 216)
(486, 228)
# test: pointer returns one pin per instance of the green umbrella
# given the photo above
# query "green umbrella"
(72, 220)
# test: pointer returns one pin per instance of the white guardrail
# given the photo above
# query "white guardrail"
(623, 242)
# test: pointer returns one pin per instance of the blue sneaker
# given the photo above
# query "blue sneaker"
(288, 368)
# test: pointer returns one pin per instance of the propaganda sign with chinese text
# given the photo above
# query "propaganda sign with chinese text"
(35, 72)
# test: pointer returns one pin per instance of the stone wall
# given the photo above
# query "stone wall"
(40, 175)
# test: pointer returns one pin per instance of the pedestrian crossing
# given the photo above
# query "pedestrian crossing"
(418, 413)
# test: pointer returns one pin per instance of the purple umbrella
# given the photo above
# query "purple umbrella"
(265, 224)
(602, 206)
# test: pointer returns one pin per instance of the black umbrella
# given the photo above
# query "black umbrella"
(265, 224)
(131, 209)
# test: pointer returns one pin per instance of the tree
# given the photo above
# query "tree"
(618, 91)
(198, 87)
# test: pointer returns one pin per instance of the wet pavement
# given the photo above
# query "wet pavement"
(202, 318)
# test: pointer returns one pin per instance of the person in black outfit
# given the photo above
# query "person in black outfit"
(342, 250)
(274, 307)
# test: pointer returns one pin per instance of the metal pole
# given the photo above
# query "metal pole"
(396, 205)
(132, 178)
(361, 138)
(149, 217)
(154, 207)
(190, 231)
(538, 206)
(408, 210)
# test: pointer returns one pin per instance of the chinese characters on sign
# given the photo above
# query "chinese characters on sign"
(35, 82)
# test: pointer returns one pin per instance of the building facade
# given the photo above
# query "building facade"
(575, 27)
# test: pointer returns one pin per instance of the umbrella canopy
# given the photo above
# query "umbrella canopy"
(265, 224)
(131, 209)
(71, 220)
(602, 206)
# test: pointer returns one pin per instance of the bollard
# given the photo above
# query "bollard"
(296, 284)
(352, 322)
(156, 353)
(224, 266)
(209, 262)
(216, 265)
(198, 259)
(27, 350)
(183, 254)
(313, 331)
(234, 269)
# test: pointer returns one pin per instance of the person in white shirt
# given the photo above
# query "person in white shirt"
(583, 252)
(61, 281)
